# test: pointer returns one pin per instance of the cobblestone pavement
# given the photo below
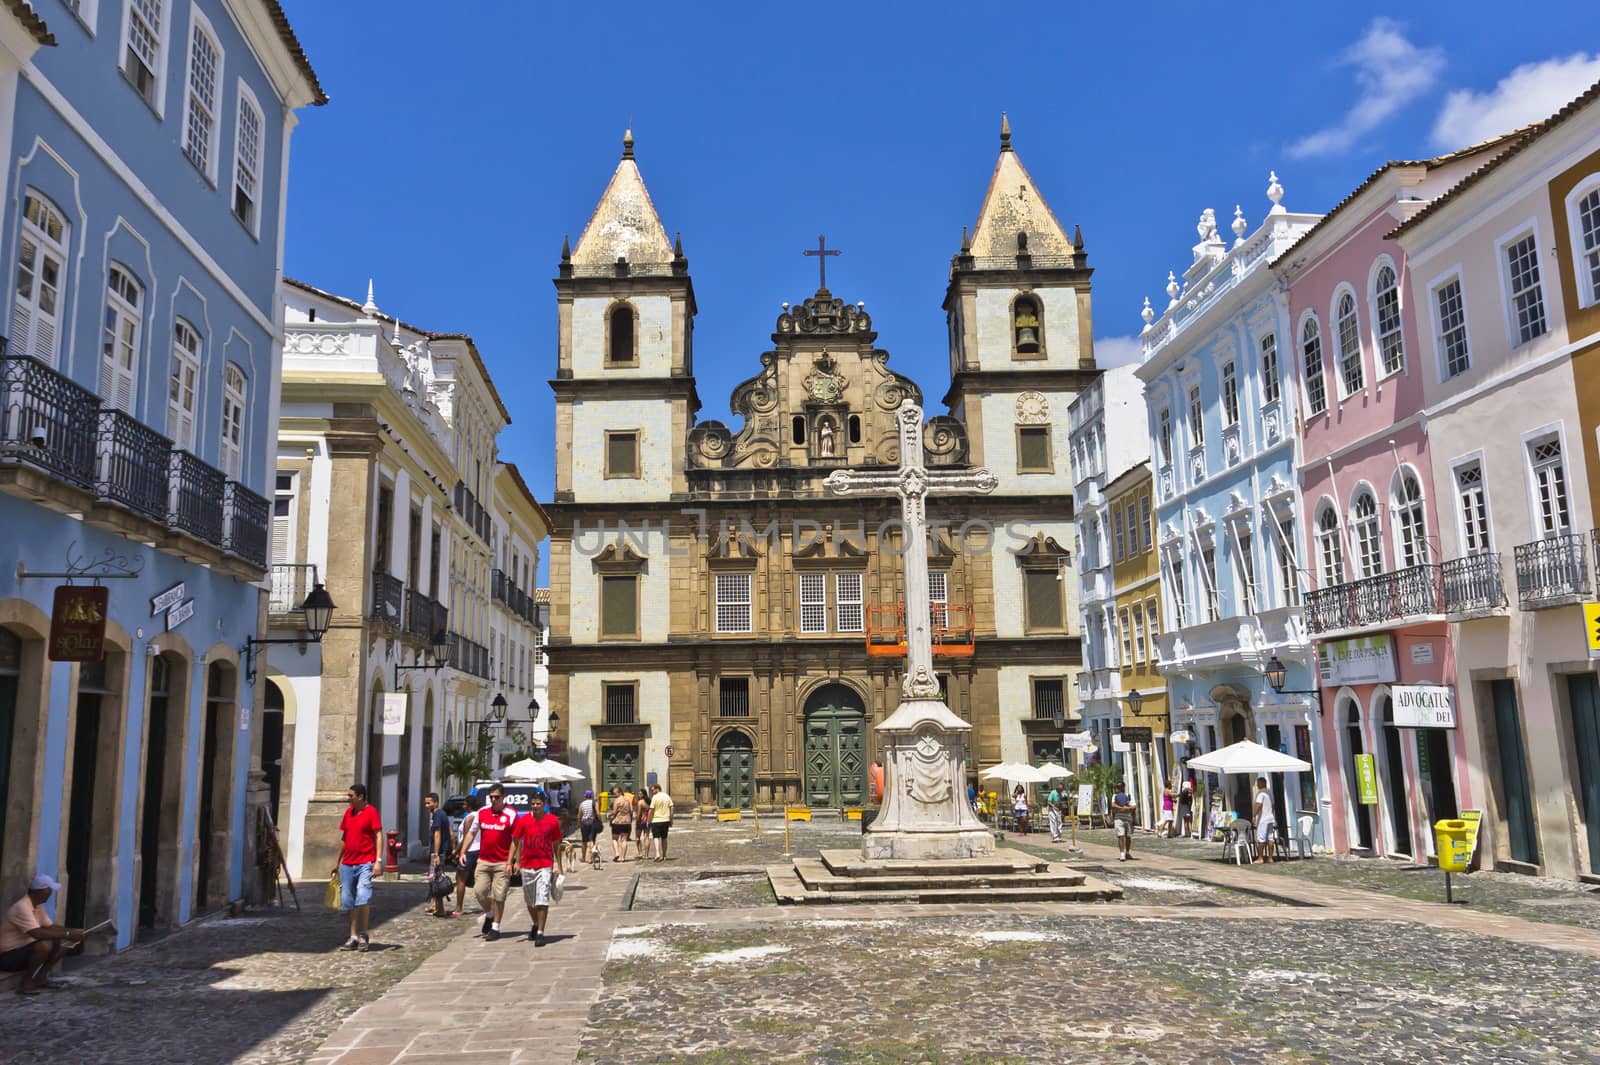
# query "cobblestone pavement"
(263, 988)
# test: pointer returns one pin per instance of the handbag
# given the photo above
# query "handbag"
(330, 897)
(440, 886)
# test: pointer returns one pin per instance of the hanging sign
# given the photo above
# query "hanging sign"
(78, 623)
(1424, 706)
(1367, 779)
(1366, 660)
(1136, 734)
(1077, 741)
(392, 715)
(167, 600)
(1591, 628)
(179, 614)
(1180, 737)
(1120, 744)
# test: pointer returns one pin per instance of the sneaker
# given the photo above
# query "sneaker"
(1122, 857)
(351, 943)
(488, 923)
(491, 935)
(365, 945)
(538, 939)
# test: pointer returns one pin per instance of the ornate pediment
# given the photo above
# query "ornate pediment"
(619, 558)
(734, 543)
(1042, 550)
(824, 313)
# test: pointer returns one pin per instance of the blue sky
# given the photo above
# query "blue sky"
(459, 148)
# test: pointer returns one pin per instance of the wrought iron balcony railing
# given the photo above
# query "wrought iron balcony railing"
(46, 421)
(245, 518)
(1552, 572)
(425, 616)
(388, 599)
(469, 657)
(1372, 601)
(291, 582)
(134, 465)
(1473, 583)
(194, 503)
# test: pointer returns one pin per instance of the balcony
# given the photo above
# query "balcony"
(472, 512)
(291, 581)
(46, 421)
(469, 657)
(133, 466)
(195, 498)
(425, 616)
(388, 600)
(1473, 585)
(244, 527)
(1414, 592)
(1552, 572)
(1099, 684)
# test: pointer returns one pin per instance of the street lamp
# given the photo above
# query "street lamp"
(1277, 674)
(1134, 700)
(318, 613)
(497, 708)
(439, 647)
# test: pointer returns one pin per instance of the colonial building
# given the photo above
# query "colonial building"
(721, 624)
(145, 168)
(389, 493)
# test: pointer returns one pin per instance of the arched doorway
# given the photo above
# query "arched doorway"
(160, 814)
(402, 818)
(10, 674)
(272, 746)
(736, 771)
(430, 757)
(836, 748)
(374, 760)
(1360, 819)
(215, 811)
(92, 793)
(1394, 780)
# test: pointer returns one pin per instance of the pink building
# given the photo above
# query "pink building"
(1379, 610)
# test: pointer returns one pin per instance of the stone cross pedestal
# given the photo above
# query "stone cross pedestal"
(925, 814)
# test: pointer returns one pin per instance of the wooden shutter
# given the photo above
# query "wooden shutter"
(1044, 598)
(619, 606)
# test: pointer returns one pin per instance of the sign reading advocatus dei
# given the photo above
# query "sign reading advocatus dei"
(167, 600)
(1364, 660)
(1424, 706)
(78, 623)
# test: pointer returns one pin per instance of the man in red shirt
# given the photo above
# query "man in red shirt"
(538, 849)
(492, 829)
(361, 830)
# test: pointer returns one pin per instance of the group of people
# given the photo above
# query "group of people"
(634, 818)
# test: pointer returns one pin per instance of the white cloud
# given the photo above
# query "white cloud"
(1116, 351)
(1529, 93)
(1390, 72)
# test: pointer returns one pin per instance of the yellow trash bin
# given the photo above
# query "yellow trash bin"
(604, 799)
(1454, 843)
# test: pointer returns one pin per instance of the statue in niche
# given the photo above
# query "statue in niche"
(825, 438)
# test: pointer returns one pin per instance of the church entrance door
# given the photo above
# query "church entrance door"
(619, 769)
(736, 767)
(836, 748)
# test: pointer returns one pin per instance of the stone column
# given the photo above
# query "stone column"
(353, 446)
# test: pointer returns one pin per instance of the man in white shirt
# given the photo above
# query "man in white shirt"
(467, 858)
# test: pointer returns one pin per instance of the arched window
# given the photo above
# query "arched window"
(41, 253)
(182, 387)
(233, 397)
(622, 348)
(1350, 370)
(1026, 329)
(1386, 297)
(797, 429)
(855, 428)
(1410, 524)
(1369, 535)
(119, 350)
(1329, 546)
(1311, 349)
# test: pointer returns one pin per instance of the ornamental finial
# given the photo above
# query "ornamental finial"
(370, 308)
(1172, 289)
(1148, 314)
(627, 142)
(1275, 193)
(1239, 225)
(1005, 132)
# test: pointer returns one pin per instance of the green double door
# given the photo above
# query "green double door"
(619, 769)
(836, 748)
(736, 772)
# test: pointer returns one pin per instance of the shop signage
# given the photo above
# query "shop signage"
(1139, 734)
(167, 600)
(179, 614)
(244, 719)
(392, 715)
(1364, 660)
(1180, 737)
(78, 623)
(1424, 706)
(1120, 744)
(1591, 627)
(1077, 741)
(1085, 798)
(1422, 653)
(1367, 780)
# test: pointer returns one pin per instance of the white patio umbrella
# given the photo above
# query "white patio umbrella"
(1247, 756)
(548, 770)
(1016, 773)
(1056, 771)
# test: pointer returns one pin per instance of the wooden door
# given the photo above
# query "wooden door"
(836, 748)
(619, 769)
(736, 766)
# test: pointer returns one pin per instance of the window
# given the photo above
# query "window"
(733, 602)
(733, 697)
(1230, 396)
(181, 389)
(621, 347)
(1391, 345)
(200, 102)
(1311, 351)
(1208, 573)
(1245, 545)
(1126, 630)
(41, 251)
(1153, 627)
(233, 396)
(1589, 241)
(938, 597)
(619, 606)
(142, 64)
(1197, 425)
(1146, 523)
(1330, 546)
(813, 602)
(1550, 487)
(1369, 538)
(1116, 534)
(1049, 698)
(1452, 328)
(797, 429)
(1137, 615)
(1164, 435)
(1413, 526)
(1025, 330)
(1033, 449)
(622, 453)
(853, 428)
(119, 352)
(1042, 588)
(1288, 575)
(1527, 295)
(1269, 369)
(247, 160)
(1351, 374)
(1474, 504)
(847, 599)
(621, 702)
(1176, 596)
(283, 539)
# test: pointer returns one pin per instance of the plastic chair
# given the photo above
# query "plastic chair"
(1306, 823)
(1243, 843)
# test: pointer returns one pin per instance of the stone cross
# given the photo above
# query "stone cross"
(913, 482)
(821, 255)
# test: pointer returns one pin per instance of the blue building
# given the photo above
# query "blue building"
(1221, 410)
(146, 156)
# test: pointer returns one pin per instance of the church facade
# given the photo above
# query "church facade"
(719, 623)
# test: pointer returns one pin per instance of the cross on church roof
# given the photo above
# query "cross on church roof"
(821, 254)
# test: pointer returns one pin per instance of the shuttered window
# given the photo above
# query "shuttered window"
(233, 397)
(200, 120)
(247, 160)
(619, 605)
(733, 602)
(119, 351)
(1043, 592)
(847, 601)
(622, 454)
(1033, 449)
(813, 602)
(183, 385)
(41, 251)
(282, 519)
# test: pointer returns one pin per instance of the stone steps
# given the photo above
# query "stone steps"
(816, 876)
(790, 889)
(1003, 862)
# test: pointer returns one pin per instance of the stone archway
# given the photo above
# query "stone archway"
(161, 805)
(24, 706)
(1235, 722)
(836, 747)
(214, 809)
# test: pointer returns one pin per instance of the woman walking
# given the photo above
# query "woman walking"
(641, 824)
(588, 825)
(621, 826)
(1168, 805)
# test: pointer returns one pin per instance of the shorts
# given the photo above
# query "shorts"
(469, 867)
(588, 830)
(536, 886)
(1266, 830)
(16, 959)
(621, 828)
(355, 886)
(1123, 826)
(493, 881)
(659, 831)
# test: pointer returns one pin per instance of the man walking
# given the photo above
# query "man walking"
(492, 832)
(660, 821)
(1052, 809)
(1122, 820)
(438, 845)
(361, 830)
(537, 852)
(30, 942)
(467, 853)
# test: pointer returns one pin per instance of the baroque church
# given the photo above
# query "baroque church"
(723, 626)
